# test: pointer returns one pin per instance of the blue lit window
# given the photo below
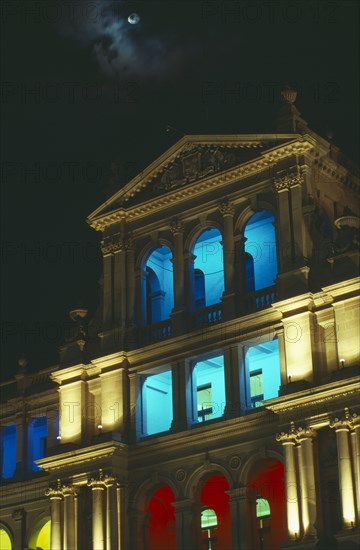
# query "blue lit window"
(156, 402)
(262, 373)
(159, 285)
(8, 450)
(37, 436)
(208, 388)
(260, 251)
(208, 262)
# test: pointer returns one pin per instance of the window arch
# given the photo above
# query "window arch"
(208, 274)
(159, 291)
(40, 537)
(261, 247)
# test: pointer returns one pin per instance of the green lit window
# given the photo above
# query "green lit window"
(256, 388)
(208, 528)
(204, 402)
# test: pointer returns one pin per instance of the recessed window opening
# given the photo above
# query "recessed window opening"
(209, 261)
(209, 388)
(156, 402)
(159, 285)
(8, 450)
(262, 373)
(37, 437)
(260, 251)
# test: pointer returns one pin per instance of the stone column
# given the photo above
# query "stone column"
(355, 447)
(186, 536)
(70, 528)
(119, 515)
(227, 210)
(181, 416)
(177, 229)
(21, 444)
(19, 527)
(189, 260)
(307, 480)
(51, 435)
(293, 274)
(106, 248)
(135, 412)
(130, 281)
(119, 282)
(342, 428)
(240, 280)
(288, 441)
(281, 189)
(232, 381)
(98, 527)
(111, 526)
(239, 528)
(141, 297)
(56, 496)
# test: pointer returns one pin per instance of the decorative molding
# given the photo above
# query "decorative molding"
(226, 208)
(287, 182)
(296, 147)
(176, 226)
(348, 422)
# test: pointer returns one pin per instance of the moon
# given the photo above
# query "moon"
(134, 19)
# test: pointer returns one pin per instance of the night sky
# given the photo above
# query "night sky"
(85, 102)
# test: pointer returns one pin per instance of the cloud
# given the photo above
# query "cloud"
(119, 47)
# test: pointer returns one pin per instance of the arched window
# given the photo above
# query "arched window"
(208, 268)
(263, 522)
(161, 522)
(261, 247)
(40, 538)
(5, 540)
(208, 527)
(159, 285)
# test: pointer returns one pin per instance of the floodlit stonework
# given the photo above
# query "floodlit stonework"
(213, 399)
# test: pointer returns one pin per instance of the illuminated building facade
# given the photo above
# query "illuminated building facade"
(213, 399)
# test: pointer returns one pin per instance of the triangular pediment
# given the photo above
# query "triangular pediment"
(190, 160)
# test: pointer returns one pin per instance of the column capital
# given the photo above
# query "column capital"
(289, 437)
(55, 492)
(112, 244)
(129, 244)
(226, 208)
(69, 490)
(101, 481)
(348, 422)
(287, 182)
(305, 433)
(176, 226)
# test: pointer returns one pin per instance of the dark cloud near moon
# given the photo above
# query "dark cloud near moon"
(121, 48)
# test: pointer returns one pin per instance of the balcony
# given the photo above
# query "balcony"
(206, 316)
(156, 332)
(260, 299)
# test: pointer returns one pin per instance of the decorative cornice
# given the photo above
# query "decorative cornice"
(240, 172)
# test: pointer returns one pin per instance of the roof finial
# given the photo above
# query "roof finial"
(288, 95)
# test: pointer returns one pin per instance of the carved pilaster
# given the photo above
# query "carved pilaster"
(342, 427)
